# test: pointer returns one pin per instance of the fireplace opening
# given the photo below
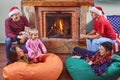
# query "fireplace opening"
(58, 25)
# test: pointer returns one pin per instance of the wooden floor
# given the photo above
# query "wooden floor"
(64, 76)
(2, 60)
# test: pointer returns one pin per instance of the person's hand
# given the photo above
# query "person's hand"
(87, 59)
(21, 33)
(45, 52)
(22, 38)
(82, 36)
(90, 62)
(35, 60)
(19, 36)
(24, 33)
(33, 54)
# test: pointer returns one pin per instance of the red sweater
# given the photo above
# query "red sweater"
(12, 28)
(104, 28)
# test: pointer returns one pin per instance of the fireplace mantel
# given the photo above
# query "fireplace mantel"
(76, 10)
(57, 2)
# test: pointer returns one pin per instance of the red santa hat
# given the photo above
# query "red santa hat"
(13, 10)
(97, 10)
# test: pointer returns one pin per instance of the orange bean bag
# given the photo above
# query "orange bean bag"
(49, 69)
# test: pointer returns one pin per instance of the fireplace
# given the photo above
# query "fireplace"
(58, 25)
(59, 22)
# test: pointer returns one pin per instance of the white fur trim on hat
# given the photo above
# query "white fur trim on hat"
(14, 12)
(94, 9)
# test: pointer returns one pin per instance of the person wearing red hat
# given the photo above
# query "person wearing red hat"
(14, 25)
(102, 30)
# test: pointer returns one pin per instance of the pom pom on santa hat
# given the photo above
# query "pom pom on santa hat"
(97, 10)
(13, 10)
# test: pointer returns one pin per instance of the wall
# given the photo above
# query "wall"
(5, 5)
(110, 7)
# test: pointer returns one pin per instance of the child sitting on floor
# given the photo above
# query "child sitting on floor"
(34, 46)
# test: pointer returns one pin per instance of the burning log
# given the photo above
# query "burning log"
(59, 29)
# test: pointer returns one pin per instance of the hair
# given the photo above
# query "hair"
(33, 31)
(107, 46)
(13, 55)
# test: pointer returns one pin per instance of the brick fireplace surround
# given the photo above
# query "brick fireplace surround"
(38, 10)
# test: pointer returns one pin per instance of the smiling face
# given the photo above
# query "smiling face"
(20, 52)
(102, 50)
(16, 17)
(34, 36)
(94, 15)
(105, 48)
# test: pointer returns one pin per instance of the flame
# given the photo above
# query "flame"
(58, 26)
(61, 25)
(54, 24)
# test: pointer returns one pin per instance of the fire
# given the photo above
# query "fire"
(58, 26)
(59, 29)
(61, 25)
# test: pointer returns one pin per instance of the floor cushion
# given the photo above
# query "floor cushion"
(49, 69)
(80, 70)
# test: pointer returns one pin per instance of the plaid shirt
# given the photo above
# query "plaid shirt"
(100, 63)
(97, 59)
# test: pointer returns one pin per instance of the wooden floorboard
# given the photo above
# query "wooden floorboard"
(64, 76)
(2, 59)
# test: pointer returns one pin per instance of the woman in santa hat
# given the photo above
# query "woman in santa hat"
(14, 24)
(102, 30)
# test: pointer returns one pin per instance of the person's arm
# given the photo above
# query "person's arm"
(26, 29)
(87, 56)
(103, 59)
(30, 51)
(95, 36)
(8, 30)
(102, 68)
(99, 30)
(91, 32)
(42, 46)
(27, 23)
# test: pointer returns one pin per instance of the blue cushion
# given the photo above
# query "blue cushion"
(115, 22)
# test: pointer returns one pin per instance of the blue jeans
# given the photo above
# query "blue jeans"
(93, 44)
(8, 44)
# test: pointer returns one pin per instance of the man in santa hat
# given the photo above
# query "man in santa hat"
(102, 30)
(14, 24)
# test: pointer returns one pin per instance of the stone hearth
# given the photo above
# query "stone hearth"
(39, 12)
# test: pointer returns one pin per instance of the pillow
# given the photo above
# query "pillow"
(80, 70)
(49, 69)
